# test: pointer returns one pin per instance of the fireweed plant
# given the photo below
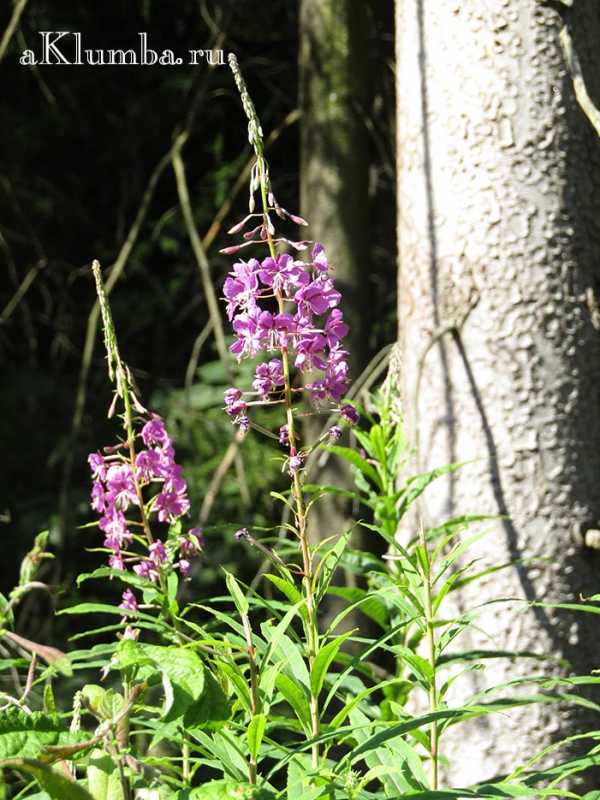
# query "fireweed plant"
(252, 696)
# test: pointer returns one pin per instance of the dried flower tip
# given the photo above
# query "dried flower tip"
(242, 533)
(131, 633)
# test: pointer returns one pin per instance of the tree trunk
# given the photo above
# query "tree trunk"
(334, 184)
(498, 228)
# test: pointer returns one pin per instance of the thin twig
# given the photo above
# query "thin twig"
(194, 356)
(21, 291)
(581, 92)
(199, 251)
(12, 26)
(219, 476)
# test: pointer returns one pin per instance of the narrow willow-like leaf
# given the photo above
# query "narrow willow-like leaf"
(236, 593)
(285, 586)
(255, 734)
(329, 564)
(297, 697)
(322, 662)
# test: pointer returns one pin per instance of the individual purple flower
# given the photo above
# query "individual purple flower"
(113, 523)
(319, 259)
(146, 569)
(170, 505)
(234, 405)
(283, 274)
(185, 567)
(335, 433)
(154, 432)
(284, 436)
(131, 633)
(148, 465)
(192, 544)
(243, 423)
(98, 501)
(129, 601)
(174, 480)
(350, 414)
(318, 296)
(295, 463)
(115, 561)
(242, 533)
(158, 552)
(241, 289)
(232, 396)
(98, 465)
(249, 335)
(335, 327)
(269, 376)
(121, 486)
(311, 352)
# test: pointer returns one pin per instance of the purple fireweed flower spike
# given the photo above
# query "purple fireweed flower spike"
(309, 324)
(117, 488)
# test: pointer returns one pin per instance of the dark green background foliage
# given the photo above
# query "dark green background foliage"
(79, 145)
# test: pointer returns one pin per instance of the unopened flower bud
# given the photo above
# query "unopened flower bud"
(350, 414)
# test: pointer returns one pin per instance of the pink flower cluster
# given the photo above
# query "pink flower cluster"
(308, 324)
(117, 486)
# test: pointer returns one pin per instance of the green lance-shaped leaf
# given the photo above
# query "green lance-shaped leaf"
(323, 661)
(255, 734)
(236, 593)
(297, 699)
(329, 564)
(56, 785)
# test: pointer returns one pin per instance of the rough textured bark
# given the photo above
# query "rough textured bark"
(334, 178)
(498, 229)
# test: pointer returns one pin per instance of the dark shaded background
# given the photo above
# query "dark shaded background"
(79, 145)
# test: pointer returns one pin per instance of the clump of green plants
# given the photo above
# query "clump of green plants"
(258, 693)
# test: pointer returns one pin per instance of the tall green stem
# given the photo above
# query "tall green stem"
(311, 625)
(312, 631)
(254, 697)
(431, 655)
